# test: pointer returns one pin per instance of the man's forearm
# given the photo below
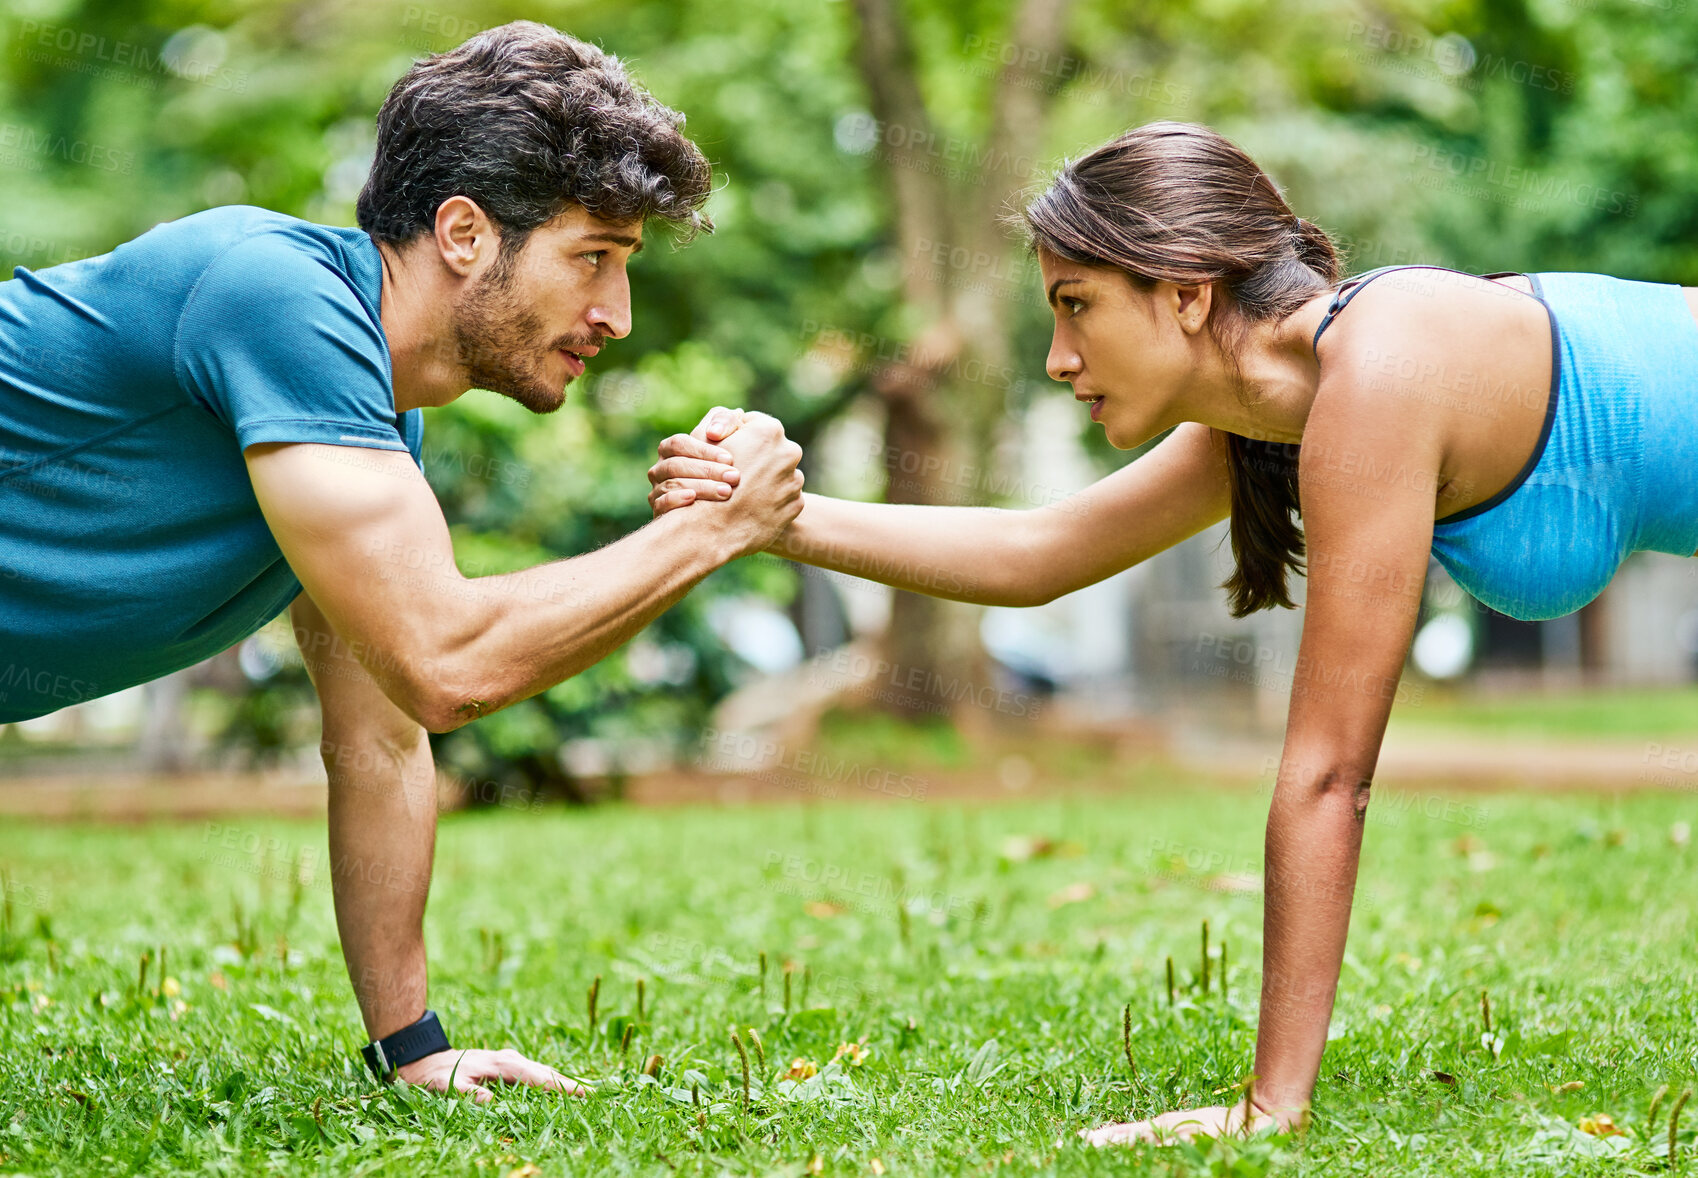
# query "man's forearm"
(499, 639)
(382, 836)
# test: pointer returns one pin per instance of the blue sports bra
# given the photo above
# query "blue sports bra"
(1615, 469)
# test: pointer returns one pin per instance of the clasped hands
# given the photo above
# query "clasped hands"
(730, 450)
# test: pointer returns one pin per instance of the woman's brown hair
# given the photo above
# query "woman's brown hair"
(1178, 202)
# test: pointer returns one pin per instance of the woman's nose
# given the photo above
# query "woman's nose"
(1063, 364)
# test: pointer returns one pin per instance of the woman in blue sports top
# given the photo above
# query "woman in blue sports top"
(1528, 431)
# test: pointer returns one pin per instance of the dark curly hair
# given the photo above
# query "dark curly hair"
(1179, 202)
(528, 121)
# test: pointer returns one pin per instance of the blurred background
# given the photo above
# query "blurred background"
(862, 288)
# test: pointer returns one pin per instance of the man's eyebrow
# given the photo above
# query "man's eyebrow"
(1058, 283)
(631, 242)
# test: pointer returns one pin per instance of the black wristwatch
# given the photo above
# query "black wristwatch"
(389, 1054)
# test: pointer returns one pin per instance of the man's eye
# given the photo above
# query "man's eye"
(595, 257)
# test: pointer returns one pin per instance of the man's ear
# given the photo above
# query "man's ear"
(464, 234)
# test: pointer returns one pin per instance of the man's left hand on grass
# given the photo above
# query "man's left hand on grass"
(471, 1071)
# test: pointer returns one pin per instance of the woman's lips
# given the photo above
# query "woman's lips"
(1096, 410)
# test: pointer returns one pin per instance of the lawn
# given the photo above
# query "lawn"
(1623, 714)
(979, 959)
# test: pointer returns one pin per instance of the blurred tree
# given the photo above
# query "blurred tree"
(946, 393)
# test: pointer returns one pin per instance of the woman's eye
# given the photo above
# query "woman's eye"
(1074, 306)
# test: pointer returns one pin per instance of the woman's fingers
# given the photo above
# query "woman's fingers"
(703, 488)
(514, 1068)
(469, 1072)
(661, 502)
(469, 1087)
(692, 468)
(687, 446)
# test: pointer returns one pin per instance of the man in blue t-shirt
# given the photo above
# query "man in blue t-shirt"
(221, 419)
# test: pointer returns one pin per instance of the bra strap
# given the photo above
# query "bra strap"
(1342, 299)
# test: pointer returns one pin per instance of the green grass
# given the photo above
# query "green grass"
(1648, 713)
(1575, 914)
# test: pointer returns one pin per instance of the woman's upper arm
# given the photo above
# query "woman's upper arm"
(1366, 569)
(1165, 496)
(1368, 478)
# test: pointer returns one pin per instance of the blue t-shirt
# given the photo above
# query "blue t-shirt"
(131, 544)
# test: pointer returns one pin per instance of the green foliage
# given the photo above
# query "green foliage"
(1477, 133)
(285, 121)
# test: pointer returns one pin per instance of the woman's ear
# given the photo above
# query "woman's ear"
(1193, 304)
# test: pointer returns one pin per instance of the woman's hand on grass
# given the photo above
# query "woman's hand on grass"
(469, 1071)
(1184, 1124)
(693, 466)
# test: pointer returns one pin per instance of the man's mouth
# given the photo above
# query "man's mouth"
(575, 357)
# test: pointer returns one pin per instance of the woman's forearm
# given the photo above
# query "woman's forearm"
(1314, 841)
(992, 556)
(983, 555)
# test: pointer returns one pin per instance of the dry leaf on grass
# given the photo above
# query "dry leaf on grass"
(1600, 1125)
(1073, 894)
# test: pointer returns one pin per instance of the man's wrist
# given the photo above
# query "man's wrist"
(1286, 1108)
(707, 539)
(389, 1054)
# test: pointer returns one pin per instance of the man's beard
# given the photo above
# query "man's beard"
(501, 346)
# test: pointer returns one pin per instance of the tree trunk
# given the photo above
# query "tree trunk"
(948, 393)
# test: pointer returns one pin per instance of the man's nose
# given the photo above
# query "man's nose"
(611, 315)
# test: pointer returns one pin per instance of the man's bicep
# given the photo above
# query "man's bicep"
(365, 536)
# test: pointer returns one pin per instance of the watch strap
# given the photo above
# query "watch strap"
(389, 1054)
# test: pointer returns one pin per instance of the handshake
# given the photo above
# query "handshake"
(731, 450)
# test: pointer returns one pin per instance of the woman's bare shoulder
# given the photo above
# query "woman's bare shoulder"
(1431, 326)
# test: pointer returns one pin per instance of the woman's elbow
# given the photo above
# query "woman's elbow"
(1030, 595)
